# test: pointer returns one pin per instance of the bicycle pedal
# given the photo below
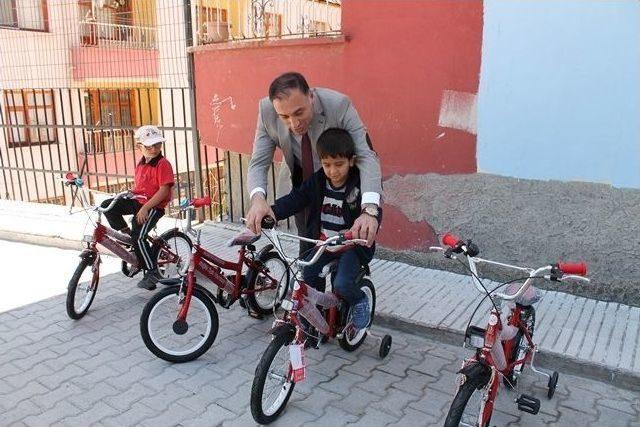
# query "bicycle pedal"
(528, 404)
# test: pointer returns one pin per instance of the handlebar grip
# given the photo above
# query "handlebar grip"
(267, 222)
(577, 268)
(347, 235)
(204, 201)
(450, 240)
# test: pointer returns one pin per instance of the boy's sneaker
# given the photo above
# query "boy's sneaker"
(360, 313)
(150, 279)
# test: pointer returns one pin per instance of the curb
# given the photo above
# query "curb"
(552, 361)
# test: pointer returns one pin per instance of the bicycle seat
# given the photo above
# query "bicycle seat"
(530, 297)
(244, 238)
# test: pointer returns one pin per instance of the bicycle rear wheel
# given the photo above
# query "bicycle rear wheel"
(264, 302)
(173, 254)
(82, 288)
(520, 346)
(272, 384)
(174, 340)
(353, 338)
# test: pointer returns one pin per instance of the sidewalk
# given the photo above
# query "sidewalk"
(575, 335)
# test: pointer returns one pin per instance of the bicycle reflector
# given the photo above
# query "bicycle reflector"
(474, 337)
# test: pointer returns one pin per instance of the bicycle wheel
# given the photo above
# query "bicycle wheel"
(173, 254)
(469, 402)
(520, 346)
(265, 301)
(82, 288)
(353, 338)
(174, 340)
(272, 386)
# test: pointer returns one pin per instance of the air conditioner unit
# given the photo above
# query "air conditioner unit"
(215, 32)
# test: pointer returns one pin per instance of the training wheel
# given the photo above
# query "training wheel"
(553, 382)
(385, 346)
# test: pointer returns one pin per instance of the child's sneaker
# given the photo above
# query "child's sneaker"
(150, 279)
(360, 313)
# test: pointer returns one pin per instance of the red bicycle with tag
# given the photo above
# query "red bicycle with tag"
(283, 364)
(505, 346)
(180, 323)
(169, 249)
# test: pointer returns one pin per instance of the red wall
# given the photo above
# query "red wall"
(398, 59)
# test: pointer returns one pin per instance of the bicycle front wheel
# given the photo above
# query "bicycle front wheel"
(173, 254)
(272, 384)
(82, 288)
(468, 406)
(177, 340)
(263, 302)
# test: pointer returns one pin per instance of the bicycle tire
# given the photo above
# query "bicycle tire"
(471, 385)
(73, 287)
(175, 241)
(171, 328)
(352, 343)
(260, 415)
(255, 300)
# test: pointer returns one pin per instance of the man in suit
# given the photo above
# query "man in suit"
(292, 118)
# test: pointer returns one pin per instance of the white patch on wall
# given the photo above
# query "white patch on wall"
(216, 105)
(458, 111)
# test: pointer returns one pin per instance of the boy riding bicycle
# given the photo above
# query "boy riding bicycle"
(153, 181)
(332, 199)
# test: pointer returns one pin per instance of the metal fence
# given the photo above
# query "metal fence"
(77, 77)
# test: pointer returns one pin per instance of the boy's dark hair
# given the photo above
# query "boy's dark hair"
(334, 143)
(284, 83)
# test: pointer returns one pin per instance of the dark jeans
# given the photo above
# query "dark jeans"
(348, 268)
(138, 231)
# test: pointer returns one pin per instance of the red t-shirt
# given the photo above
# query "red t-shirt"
(150, 176)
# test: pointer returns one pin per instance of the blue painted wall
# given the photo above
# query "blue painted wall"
(559, 94)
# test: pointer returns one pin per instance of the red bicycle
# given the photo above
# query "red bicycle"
(506, 345)
(283, 365)
(180, 323)
(169, 249)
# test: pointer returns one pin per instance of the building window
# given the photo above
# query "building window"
(111, 108)
(33, 111)
(24, 14)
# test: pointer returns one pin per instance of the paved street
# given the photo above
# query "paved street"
(96, 371)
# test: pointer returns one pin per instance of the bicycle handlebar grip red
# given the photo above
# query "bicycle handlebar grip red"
(204, 201)
(577, 268)
(449, 240)
(348, 235)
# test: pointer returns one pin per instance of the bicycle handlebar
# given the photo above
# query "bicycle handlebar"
(576, 268)
(558, 272)
(450, 240)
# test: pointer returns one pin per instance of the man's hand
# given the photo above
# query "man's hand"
(142, 215)
(258, 210)
(365, 227)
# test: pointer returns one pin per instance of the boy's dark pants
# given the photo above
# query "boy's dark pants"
(138, 231)
(348, 268)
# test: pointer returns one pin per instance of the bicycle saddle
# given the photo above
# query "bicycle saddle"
(244, 238)
(530, 297)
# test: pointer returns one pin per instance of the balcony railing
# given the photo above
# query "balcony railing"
(231, 20)
(108, 141)
(95, 33)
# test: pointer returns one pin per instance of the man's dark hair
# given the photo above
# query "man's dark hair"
(334, 143)
(284, 83)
